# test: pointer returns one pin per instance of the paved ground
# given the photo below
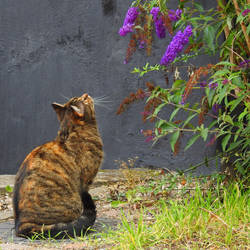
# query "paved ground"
(6, 180)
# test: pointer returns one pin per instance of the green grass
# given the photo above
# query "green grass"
(216, 218)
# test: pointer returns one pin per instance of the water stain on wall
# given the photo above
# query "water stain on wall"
(109, 7)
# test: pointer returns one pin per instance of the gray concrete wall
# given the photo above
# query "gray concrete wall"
(55, 48)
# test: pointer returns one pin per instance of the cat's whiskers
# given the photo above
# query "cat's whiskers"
(65, 97)
(102, 101)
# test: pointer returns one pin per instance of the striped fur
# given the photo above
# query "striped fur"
(51, 186)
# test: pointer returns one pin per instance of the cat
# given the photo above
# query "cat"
(51, 187)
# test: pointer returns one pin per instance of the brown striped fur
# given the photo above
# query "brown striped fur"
(51, 186)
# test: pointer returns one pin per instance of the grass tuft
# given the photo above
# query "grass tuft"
(217, 218)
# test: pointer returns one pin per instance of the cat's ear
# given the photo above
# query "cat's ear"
(60, 110)
(78, 110)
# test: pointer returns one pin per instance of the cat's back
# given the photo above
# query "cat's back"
(49, 160)
(46, 182)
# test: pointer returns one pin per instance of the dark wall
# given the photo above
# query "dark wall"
(55, 48)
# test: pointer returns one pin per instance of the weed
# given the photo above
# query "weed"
(9, 189)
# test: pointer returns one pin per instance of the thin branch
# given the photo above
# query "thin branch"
(235, 53)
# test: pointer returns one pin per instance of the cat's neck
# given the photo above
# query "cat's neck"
(77, 133)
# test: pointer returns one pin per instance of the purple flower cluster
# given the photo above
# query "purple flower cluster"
(225, 81)
(159, 25)
(203, 84)
(244, 64)
(245, 12)
(154, 12)
(216, 108)
(160, 28)
(176, 45)
(174, 15)
(213, 85)
(129, 21)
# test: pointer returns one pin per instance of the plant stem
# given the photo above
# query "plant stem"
(226, 31)
(243, 27)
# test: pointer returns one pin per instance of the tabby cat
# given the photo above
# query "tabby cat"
(51, 186)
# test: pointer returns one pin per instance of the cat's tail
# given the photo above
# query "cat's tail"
(77, 227)
(74, 228)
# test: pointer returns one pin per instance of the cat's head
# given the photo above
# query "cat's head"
(78, 110)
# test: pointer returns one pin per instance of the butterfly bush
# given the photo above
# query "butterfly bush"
(217, 81)
(176, 45)
(174, 15)
(159, 25)
(129, 21)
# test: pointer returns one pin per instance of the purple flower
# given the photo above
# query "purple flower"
(182, 102)
(244, 64)
(160, 28)
(203, 84)
(213, 85)
(225, 81)
(129, 20)
(149, 138)
(159, 25)
(142, 44)
(174, 15)
(216, 108)
(154, 12)
(176, 45)
(126, 29)
(245, 12)
(212, 141)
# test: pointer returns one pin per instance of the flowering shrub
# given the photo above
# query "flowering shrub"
(224, 86)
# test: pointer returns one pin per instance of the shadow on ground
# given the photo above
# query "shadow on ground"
(7, 232)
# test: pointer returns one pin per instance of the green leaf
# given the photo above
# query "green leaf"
(160, 123)
(212, 124)
(158, 109)
(162, 5)
(226, 63)
(228, 119)
(235, 103)
(241, 116)
(225, 141)
(174, 114)
(234, 145)
(221, 4)
(229, 22)
(189, 119)
(209, 35)
(199, 6)
(178, 83)
(174, 139)
(248, 29)
(238, 82)
(191, 141)
(222, 93)
(204, 133)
